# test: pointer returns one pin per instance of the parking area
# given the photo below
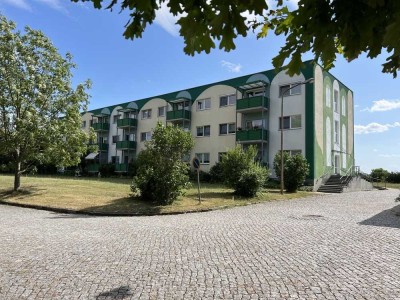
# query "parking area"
(344, 246)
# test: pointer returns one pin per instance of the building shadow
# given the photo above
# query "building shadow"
(121, 292)
(387, 218)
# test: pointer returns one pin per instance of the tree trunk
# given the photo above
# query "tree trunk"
(17, 176)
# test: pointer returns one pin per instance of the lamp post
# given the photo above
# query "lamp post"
(310, 80)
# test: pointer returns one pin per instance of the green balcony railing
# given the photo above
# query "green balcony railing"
(252, 135)
(126, 145)
(121, 167)
(178, 115)
(103, 147)
(126, 122)
(93, 167)
(101, 126)
(253, 102)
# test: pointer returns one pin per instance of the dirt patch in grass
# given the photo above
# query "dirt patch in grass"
(112, 196)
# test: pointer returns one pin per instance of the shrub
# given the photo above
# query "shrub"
(379, 174)
(295, 170)
(242, 173)
(107, 170)
(216, 173)
(393, 177)
(161, 173)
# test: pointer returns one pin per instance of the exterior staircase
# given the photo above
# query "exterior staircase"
(335, 184)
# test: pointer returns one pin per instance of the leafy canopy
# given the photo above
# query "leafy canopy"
(40, 119)
(324, 27)
(161, 174)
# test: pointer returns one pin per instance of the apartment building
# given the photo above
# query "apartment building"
(318, 121)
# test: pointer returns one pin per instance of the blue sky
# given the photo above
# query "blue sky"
(122, 70)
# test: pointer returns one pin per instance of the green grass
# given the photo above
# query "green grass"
(112, 196)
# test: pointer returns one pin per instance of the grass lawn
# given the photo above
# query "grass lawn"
(111, 196)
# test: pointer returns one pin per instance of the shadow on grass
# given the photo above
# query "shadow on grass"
(386, 218)
(26, 192)
(118, 293)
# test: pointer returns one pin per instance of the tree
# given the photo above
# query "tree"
(326, 28)
(242, 173)
(40, 119)
(161, 174)
(379, 174)
(295, 170)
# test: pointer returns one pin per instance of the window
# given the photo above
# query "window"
(227, 128)
(203, 131)
(115, 138)
(161, 111)
(145, 136)
(181, 105)
(328, 96)
(116, 118)
(336, 101)
(254, 124)
(204, 158)
(203, 104)
(290, 122)
(290, 89)
(343, 106)
(221, 155)
(146, 114)
(293, 152)
(255, 93)
(83, 124)
(227, 100)
(336, 133)
(91, 123)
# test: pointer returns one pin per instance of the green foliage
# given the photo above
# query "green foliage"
(393, 177)
(379, 174)
(325, 28)
(203, 176)
(161, 174)
(242, 173)
(41, 113)
(107, 170)
(217, 173)
(295, 170)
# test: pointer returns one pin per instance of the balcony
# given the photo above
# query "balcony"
(101, 126)
(253, 104)
(103, 147)
(121, 167)
(126, 123)
(126, 145)
(252, 136)
(178, 115)
(93, 168)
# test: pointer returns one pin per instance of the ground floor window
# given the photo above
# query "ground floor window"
(204, 158)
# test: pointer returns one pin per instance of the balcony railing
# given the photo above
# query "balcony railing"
(121, 167)
(252, 135)
(181, 114)
(126, 122)
(103, 147)
(101, 126)
(126, 145)
(93, 167)
(252, 103)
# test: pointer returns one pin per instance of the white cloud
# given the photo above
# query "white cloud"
(231, 67)
(374, 128)
(18, 3)
(390, 155)
(167, 20)
(375, 150)
(383, 105)
(54, 4)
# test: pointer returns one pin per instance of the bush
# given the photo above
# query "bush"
(107, 170)
(203, 176)
(216, 173)
(379, 174)
(161, 173)
(242, 173)
(295, 170)
(393, 177)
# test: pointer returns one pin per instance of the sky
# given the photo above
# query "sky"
(123, 70)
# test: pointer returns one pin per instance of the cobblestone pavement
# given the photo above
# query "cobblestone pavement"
(343, 246)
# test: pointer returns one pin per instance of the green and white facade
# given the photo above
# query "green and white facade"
(318, 121)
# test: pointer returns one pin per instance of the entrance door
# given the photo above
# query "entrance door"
(337, 165)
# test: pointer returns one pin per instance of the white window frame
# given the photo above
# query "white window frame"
(336, 132)
(336, 101)
(231, 100)
(203, 131)
(250, 124)
(163, 111)
(294, 152)
(83, 125)
(290, 122)
(343, 106)
(205, 104)
(292, 91)
(227, 128)
(146, 114)
(203, 158)
(147, 136)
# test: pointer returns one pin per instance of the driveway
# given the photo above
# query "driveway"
(344, 246)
